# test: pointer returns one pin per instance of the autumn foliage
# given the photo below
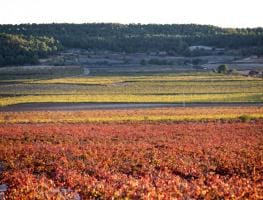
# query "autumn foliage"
(197, 160)
(133, 115)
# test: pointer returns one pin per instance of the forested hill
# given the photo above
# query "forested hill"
(35, 39)
(19, 49)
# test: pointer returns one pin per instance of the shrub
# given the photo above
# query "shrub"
(245, 118)
(223, 69)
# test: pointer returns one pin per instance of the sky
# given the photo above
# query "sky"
(224, 13)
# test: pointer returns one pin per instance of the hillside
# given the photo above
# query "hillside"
(38, 40)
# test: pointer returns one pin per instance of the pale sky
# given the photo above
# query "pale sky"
(224, 13)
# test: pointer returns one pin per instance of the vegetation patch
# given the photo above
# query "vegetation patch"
(165, 88)
(132, 160)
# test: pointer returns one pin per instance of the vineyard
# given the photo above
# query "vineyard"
(136, 115)
(146, 110)
(170, 88)
(194, 160)
(204, 152)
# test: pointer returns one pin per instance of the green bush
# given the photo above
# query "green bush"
(222, 69)
(245, 118)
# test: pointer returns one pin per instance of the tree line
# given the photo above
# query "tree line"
(26, 43)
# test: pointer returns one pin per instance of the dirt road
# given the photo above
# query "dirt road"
(99, 106)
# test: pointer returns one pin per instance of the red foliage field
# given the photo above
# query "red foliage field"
(209, 160)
